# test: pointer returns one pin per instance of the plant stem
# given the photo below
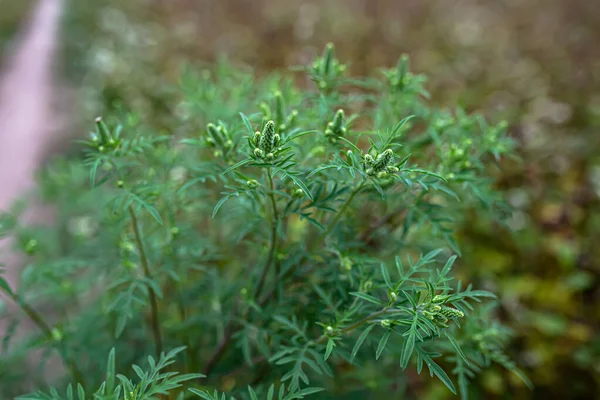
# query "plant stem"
(357, 324)
(39, 321)
(273, 245)
(152, 294)
(230, 327)
(343, 209)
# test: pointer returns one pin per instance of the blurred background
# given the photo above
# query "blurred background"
(535, 63)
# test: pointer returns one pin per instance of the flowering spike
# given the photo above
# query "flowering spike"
(267, 139)
(103, 131)
(215, 134)
(327, 59)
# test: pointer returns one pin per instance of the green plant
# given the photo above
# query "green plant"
(283, 247)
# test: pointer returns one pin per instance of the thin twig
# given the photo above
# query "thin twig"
(152, 294)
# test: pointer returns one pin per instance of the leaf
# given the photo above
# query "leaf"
(237, 165)
(329, 349)
(201, 394)
(6, 287)
(382, 343)
(298, 135)
(247, 123)
(435, 369)
(367, 297)
(386, 276)
(457, 347)
(424, 172)
(407, 350)
(221, 202)
(110, 372)
(253, 395)
(351, 144)
(321, 168)
(448, 265)
(360, 341)
(297, 181)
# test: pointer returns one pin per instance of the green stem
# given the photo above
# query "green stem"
(152, 294)
(39, 321)
(273, 245)
(357, 324)
(343, 209)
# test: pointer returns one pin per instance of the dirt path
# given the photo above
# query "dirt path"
(25, 98)
(26, 116)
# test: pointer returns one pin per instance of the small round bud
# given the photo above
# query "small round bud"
(258, 152)
(329, 330)
(218, 154)
(270, 156)
(382, 175)
(393, 296)
(386, 323)
(244, 292)
(252, 183)
(120, 184)
(101, 149)
(31, 247)
(57, 335)
(229, 144)
(349, 153)
(298, 193)
(175, 231)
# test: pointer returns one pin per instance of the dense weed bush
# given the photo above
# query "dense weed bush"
(277, 242)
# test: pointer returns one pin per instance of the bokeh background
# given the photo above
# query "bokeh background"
(535, 63)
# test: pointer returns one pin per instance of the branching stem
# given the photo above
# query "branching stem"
(273, 244)
(43, 326)
(343, 209)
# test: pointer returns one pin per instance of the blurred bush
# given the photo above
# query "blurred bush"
(534, 62)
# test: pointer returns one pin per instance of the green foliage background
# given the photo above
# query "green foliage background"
(532, 62)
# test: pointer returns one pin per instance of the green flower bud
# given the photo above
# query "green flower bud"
(329, 330)
(103, 131)
(215, 134)
(450, 312)
(338, 121)
(252, 183)
(31, 247)
(256, 138)
(258, 152)
(386, 323)
(57, 335)
(328, 59)
(120, 184)
(298, 193)
(384, 160)
(267, 139)
(175, 231)
(382, 175)
(218, 154)
(393, 296)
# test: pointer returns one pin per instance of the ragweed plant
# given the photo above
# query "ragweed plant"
(267, 247)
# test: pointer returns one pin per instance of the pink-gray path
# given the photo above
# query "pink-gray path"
(26, 118)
